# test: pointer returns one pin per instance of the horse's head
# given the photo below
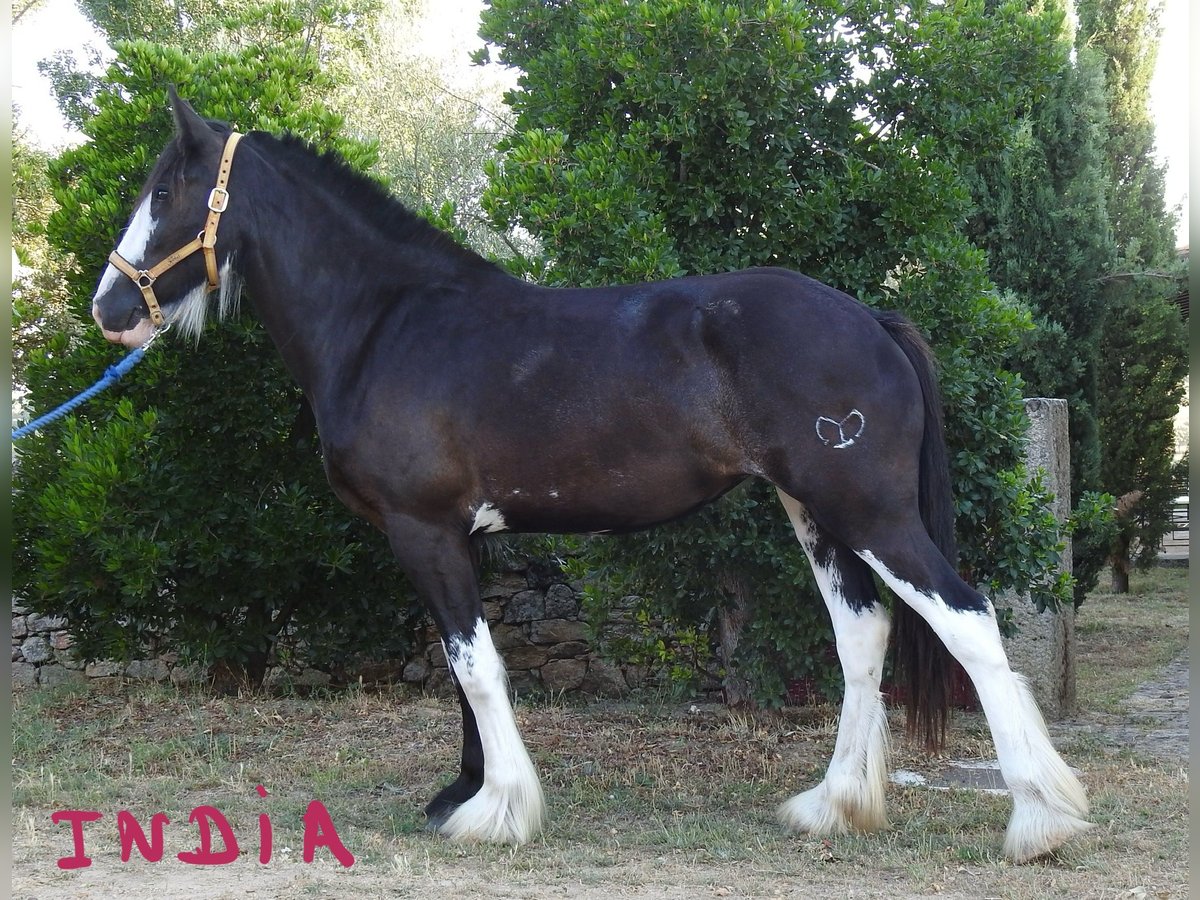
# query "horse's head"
(168, 258)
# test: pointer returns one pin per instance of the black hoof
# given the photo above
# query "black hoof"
(449, 799)
(437, 812)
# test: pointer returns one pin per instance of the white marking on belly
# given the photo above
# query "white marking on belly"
(488, 519)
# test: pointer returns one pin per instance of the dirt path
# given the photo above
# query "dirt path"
(1155, 721)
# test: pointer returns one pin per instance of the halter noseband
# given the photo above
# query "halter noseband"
(218, 200)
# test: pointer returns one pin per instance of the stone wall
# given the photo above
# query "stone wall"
(534, 625)
(43, 654)
(41, 649)
(544, 644)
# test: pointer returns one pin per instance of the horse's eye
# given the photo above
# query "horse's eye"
(161, 193)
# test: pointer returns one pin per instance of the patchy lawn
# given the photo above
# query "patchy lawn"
(646, 799)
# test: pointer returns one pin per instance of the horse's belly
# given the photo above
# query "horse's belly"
(600, 501)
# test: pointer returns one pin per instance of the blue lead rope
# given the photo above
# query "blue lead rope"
(112, 375)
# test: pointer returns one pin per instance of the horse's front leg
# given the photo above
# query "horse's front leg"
(497, 796)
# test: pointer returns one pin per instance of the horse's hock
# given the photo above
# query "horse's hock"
(537, 628)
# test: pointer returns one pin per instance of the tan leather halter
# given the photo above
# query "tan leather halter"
(218, 200)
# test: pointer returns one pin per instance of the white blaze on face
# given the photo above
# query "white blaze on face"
(132, 246)
(133, 249)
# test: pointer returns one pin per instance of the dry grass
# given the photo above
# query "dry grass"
(1125, 639)
(647, 799)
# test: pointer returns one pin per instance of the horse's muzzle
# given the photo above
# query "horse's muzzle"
(129, 337)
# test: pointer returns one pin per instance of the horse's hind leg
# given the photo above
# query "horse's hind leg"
(851, 797)
(1049, 804)
(497, 796)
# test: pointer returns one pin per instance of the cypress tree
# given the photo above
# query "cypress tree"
(1143, 341)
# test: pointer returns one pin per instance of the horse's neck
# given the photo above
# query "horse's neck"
(322, 277)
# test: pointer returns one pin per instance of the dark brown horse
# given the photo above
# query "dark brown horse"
(435, 377)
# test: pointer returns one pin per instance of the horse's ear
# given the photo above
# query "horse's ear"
(191, 130)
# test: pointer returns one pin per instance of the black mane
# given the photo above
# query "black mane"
(365, 195)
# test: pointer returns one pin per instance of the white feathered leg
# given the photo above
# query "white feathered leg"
(1049, 803)
(851, 796)
(509, 807)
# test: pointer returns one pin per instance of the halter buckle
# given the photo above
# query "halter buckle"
(218, 199)
(144, 279)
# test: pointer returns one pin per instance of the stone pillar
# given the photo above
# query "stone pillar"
(1043, 649)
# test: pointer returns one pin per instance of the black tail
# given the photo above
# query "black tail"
(922, 663)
